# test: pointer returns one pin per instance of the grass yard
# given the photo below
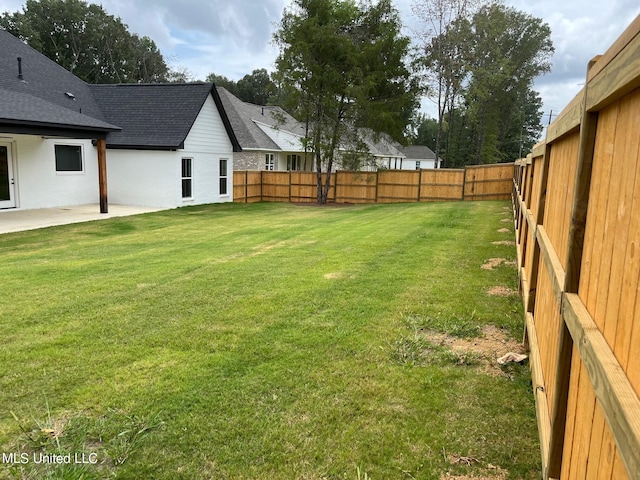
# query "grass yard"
(266, 341)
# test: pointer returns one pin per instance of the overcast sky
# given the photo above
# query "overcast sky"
(233, 37)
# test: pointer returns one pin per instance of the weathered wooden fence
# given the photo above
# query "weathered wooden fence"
(577, 215)
(487, 182)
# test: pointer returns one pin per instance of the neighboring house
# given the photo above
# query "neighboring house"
(64, 142)
(417, 157)
(270, 138)
(383, 150)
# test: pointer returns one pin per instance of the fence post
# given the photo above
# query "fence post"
(335, 186)
(419, 184)
(544, 178)
(464, 185)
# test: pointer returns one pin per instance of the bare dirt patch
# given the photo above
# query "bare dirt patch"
(492, 263)
(333, 275)
(494, 342)
(505, 220)
(504, 242)
(262, 249)
(337, 276)
(486, 349)
(501, 292)
(486, 472)
(504, 230)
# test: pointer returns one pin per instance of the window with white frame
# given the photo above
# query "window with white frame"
(269, 161)
(418, 165)
(69, 158)
(224, 176)
(187, 177)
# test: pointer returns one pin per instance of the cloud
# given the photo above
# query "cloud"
(230, 38)
(241, 23)
(233, 37)
(579, 31)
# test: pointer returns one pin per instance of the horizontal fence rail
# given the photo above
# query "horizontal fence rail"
(576, 201)
(486, 182)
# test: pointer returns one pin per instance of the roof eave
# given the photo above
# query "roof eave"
(225, 119)
(136, 146)
(19, 127)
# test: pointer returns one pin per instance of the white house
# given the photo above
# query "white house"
(175, 148)
(64, 142)
(415, 157)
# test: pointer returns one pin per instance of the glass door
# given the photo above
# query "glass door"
(7, 199)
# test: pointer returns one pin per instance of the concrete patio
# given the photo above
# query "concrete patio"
(18, 220)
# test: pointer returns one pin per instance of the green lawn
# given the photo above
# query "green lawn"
(264, 341)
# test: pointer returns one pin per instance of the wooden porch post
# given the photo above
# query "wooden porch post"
(102, 175)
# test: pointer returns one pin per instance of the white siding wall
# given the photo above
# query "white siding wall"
(409, 164)
(208, 133)
(208, 143)
(154, 178)
(38, 185)
(143, 178)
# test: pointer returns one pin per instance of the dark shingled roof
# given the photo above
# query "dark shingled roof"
(49, 100)
(47, 96)
(157, 116)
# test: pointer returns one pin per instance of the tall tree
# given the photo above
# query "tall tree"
(87, 41)
(493, 114)
(510, 49)
(444, 55)
(342, 65)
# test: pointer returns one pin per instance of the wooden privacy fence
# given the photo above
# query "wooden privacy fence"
(577, 216)
(486, 182)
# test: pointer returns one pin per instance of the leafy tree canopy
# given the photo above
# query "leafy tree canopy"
(84, 39)
(486, 63)
(256, 88)
(343, 65)
(509, 49)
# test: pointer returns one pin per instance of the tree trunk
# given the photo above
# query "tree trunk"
(327, 186)
(318, 177)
